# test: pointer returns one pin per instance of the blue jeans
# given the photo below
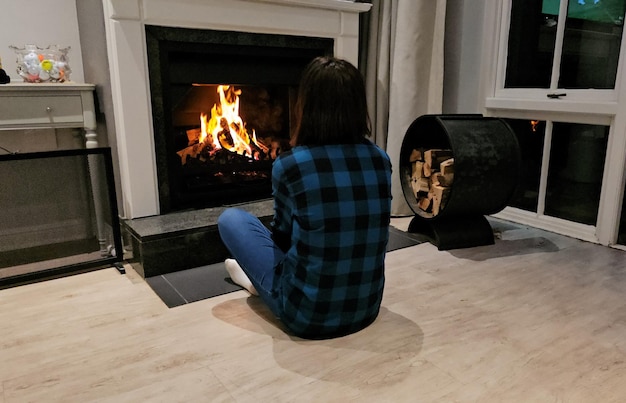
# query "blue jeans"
(251, 244)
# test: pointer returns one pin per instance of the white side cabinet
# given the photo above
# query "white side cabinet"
(56, 106)
(53, 105)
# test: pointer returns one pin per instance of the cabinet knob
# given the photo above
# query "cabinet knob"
(48, 109)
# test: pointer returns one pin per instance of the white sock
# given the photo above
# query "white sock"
(239, 276)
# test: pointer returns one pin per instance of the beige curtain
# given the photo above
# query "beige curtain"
(404, 73)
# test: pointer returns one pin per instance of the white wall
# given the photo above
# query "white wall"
(42, 23)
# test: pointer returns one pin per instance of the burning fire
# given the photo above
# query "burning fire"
(223, 130)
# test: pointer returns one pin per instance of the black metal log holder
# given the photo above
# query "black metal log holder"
(486, 172)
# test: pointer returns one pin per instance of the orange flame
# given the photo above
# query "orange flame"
(225, 128)
(533, 125)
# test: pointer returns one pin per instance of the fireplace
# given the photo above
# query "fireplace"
(293, 31)
(221, 108)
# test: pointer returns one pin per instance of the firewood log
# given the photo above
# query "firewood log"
(439, 195)
(435, 156)
(191, 151)
(193, 136)
(428, 170)
(420, 185)
(425, 203)
(447, 166)
(418, 169)
(416, 155)
(441, 179)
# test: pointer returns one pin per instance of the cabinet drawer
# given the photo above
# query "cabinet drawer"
(63, 110)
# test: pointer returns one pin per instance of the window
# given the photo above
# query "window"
(556, 80)
(573, 170)
(584, 47)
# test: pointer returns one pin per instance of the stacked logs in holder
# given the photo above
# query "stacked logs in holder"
(432, 174)
(454, 170)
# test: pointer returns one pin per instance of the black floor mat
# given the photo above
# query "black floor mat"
(182, 287)
(400, 239)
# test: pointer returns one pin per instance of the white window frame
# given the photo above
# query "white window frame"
(599, 107)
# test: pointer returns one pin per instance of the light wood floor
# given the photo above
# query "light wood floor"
(536, 318)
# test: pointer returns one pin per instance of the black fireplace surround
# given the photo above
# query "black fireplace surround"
(185, 67)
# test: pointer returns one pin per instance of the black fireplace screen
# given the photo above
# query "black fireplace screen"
(222, 104)
(58, 214)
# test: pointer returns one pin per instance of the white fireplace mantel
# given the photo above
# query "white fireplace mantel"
(125, 21)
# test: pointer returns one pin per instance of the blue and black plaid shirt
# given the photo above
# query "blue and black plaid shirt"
(332, 205)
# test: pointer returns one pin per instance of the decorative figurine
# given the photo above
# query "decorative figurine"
(42, 65)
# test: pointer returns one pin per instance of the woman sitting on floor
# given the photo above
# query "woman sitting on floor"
(320, 268)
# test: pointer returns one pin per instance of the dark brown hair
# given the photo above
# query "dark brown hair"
(331, 106)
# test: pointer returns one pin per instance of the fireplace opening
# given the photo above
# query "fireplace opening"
(222, 107)
(226, 138)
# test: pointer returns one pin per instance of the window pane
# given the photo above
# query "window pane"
(593, 33)
(530, 136)
(532, 35)
(575, 173)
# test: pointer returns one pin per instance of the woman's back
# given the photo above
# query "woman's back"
(334, 203)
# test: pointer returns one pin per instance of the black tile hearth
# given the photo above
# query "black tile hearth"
(186, 286)
(182, 240)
